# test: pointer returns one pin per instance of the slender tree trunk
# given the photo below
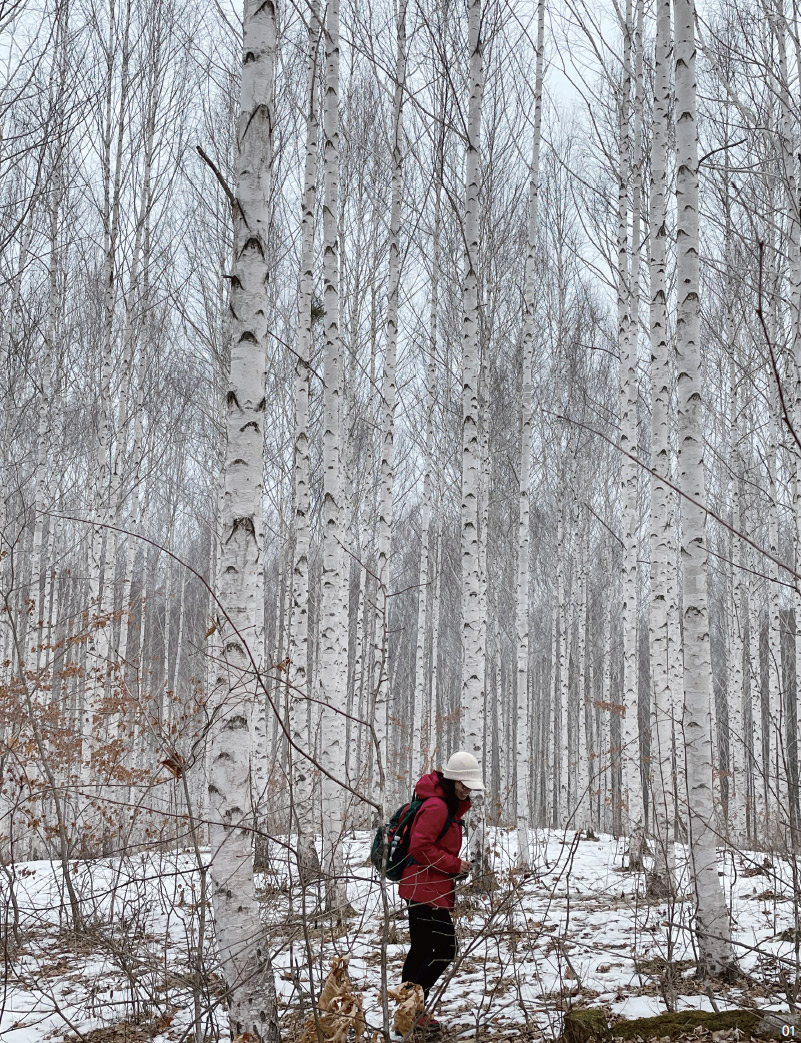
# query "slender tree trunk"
(755, 730)
(712, 923)
(582, 801)
(132, 543)
(333, 681)
(777, 797)
(99, 625)
(472, 701)
(434, 747)
(523, 757)
(663, 535)
(421, 675)
(741, 677)
(790, 135)
(135, 304)
(631, 809)
(241, 938)
(560, 676)
(301, 768)
(386, 504)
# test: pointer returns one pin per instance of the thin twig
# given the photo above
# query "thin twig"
(218, 174)
(773, 364)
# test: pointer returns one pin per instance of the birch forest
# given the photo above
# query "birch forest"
(381, 380)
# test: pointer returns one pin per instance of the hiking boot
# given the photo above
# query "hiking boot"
(425, 1025)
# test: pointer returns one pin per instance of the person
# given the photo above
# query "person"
(427, 883)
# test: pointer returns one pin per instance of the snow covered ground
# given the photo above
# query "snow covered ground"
(579, 930)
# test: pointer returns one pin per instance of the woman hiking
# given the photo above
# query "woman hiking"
(427, 883)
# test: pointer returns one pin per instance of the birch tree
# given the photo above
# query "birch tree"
(112, 162)
(524, 525)
(627, 296)
(299, 629)
(662, 533)
(472, 703)
(389, 390)
(712, 923)
(332, 669)
(241, 938)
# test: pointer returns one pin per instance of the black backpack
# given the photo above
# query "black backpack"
(390, 851)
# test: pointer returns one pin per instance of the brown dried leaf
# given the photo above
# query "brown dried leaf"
(410, 1002)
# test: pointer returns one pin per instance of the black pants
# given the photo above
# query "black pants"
(433, 945)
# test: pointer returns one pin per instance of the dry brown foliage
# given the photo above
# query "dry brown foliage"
(410, 1002)
(340, 1010)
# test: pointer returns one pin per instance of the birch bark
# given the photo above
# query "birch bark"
(560, 682)
(523, 751)
(473, 653)
(421, 676)
(792, 207)
(582, 744)
(97, 648)
(389, 391)
(45, 421)
(434, 748)
(333, 682)
(738, 602)
(134, 311)
(712, 922)
(663, 535)
(300, 767)
(241, 938)
(632, 809)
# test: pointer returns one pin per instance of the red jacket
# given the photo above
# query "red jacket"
(429, 879)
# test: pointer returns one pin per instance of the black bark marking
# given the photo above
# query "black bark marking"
(253, 243)
(246, 524)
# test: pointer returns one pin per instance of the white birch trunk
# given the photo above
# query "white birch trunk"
(386, 503)
(241, 939)
(333, 683)
(775, 774)
(560, 730)
(604, 728)
(582, 800)
(434, 746)
(168, 596)
(97, 649)
(472, 698)
(754, 690)
(44, 428)
(663, 534)
(179, 644)
(421, 676)
(135, 520)
(134, 302)
(712, 922)
(523, 752)
(740, 677)
(790, 137)
(300, 767)
(631, 796)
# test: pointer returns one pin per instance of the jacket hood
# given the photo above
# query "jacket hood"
(431, 786)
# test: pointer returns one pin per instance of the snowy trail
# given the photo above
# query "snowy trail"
(577, 931)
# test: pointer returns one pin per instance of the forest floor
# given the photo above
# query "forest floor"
(579, 930)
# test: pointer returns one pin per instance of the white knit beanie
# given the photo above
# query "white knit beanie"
(463, 767)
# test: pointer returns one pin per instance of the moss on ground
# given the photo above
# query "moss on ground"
(592, 1023)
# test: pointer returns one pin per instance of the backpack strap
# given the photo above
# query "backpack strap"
(448, 823)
